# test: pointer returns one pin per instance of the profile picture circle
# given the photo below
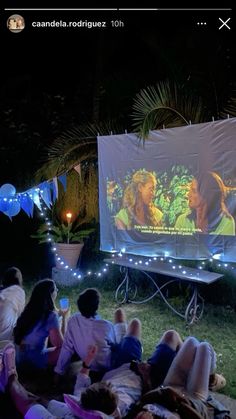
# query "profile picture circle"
(16, 23)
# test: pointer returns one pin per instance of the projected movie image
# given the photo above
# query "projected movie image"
(171, 203)
(175, 196)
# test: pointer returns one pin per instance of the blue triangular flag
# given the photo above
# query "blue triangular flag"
(27, 204)
(34, 195)
(54, 189)
(45, 193)
(62, 179)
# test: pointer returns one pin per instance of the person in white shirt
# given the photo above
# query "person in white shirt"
(84, 329)
(12, 302)
(114, 344)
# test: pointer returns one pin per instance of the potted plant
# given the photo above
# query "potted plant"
(68, 238)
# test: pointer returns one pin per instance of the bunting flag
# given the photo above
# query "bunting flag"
(11, 202)
(54, 186)
(27, 204)
(78, 169)
(62, 179)
(34, 195)
(45, 193)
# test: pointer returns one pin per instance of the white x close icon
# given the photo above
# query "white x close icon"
(224, 23)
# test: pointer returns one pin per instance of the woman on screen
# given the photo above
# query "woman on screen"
(138, 207)
(207, 209)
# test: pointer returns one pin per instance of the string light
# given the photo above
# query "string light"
(36, 195)
(207, 264)
(63, 264)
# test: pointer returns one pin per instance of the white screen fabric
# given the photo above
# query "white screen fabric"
(172, 195)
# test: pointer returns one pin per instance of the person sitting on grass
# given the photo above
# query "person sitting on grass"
(39, 322)
(86, 328)
(12, 302)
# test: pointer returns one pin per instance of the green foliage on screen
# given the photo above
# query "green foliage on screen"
(172, 193)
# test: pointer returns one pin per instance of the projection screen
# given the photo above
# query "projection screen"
(172, 195)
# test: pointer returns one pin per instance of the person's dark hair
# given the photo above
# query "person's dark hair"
(12, 276)
(99, 396)
(213, 192)
(88, 302)
(38, 309)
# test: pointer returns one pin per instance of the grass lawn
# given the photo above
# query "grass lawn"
(218, 325)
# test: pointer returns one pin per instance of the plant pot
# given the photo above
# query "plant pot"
(69, 254)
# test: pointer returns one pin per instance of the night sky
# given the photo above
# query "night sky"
(51, 75)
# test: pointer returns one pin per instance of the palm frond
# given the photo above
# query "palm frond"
(230, 107)
(167, 104)
(75, 146)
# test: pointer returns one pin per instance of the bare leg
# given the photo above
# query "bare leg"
(28, 404)
(198, 379)
(134, 328)
(120, 325)
(19, 395)
(119, 316)
(130, 347)
(22, 400)
(181, 365)
(172, 339)
(7, 363)
(163, 356)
